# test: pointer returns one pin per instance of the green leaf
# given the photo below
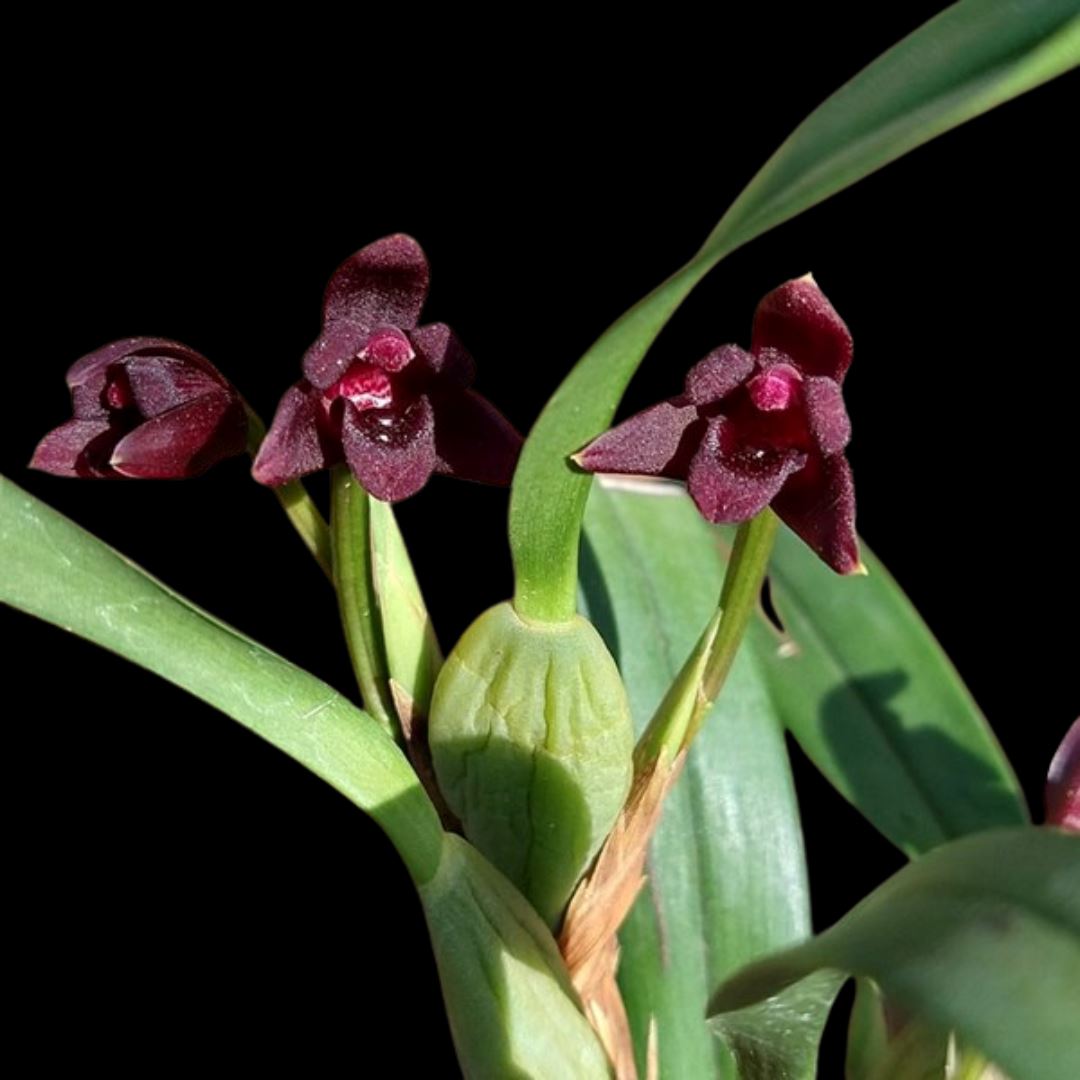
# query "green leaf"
(975, 55)
(350, 531)
(877, 706)
(726, 872)
(778, 1039)
(980, 937)
(59, 572)
(512, 1010)
(912, 1050)
(413, 658)
(868, 1034)
(508, 995)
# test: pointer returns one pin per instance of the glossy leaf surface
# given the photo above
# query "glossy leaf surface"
(512, 1010)
(727, 877)
(59, 572)
(877, 706)
(981, 937)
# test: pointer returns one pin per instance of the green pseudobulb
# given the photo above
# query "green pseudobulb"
(532, 743)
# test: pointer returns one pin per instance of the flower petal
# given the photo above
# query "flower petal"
(1063, 783)
(818, 503)
(797, 319)
(718, 374)
(442, 351)
(91, 367)
(162, 382)
(185, 441)
(659, 441)
(391, 453)
(77, 448)
(473, 440)
(388, 348)
(732, 482)
(825, 414)
(294, 445)
(87, 377)
(383, 284)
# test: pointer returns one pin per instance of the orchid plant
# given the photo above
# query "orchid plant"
(534, 777)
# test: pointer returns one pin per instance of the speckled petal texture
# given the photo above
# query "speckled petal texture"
(294, 445)
(391, 454)
(473, 440)
(798, 320)
(647, 443)
(818, 503)
(382, 285)
(729, 485)
(78, 448)
(183, 442)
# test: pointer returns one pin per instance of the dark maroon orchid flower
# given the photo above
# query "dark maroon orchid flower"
(758, 428)
(147, 408)
(388, 397)
(1063, 783)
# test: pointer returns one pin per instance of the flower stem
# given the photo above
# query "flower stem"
(350, 530)
(702, 677)
(297, 504)
(738, 599)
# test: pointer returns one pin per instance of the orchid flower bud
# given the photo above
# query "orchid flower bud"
(147, 408)
(532, 742)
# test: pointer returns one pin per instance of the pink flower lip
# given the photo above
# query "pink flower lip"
(775, 389)
(388, 348)
(363, 385)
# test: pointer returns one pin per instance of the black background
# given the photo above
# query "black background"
(186, 893)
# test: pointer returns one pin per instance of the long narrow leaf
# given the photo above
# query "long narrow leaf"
(975, 55)
(59, 572)
(981, 937)
(512, 1010)
(877, 706)
(726, 872)
(508, 994)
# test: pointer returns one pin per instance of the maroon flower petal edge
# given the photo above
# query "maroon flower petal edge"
(826, 415)
(161, 382)
(293, 446)
(797, 319)
(1063, 782)
(391, 453)
(730, 483)
(77, 448)
(443, 353)
(659, 441)
(383, 284)
(818, 504)
(91, 367)
(184, 441)
(718, 374)
(473, 440)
